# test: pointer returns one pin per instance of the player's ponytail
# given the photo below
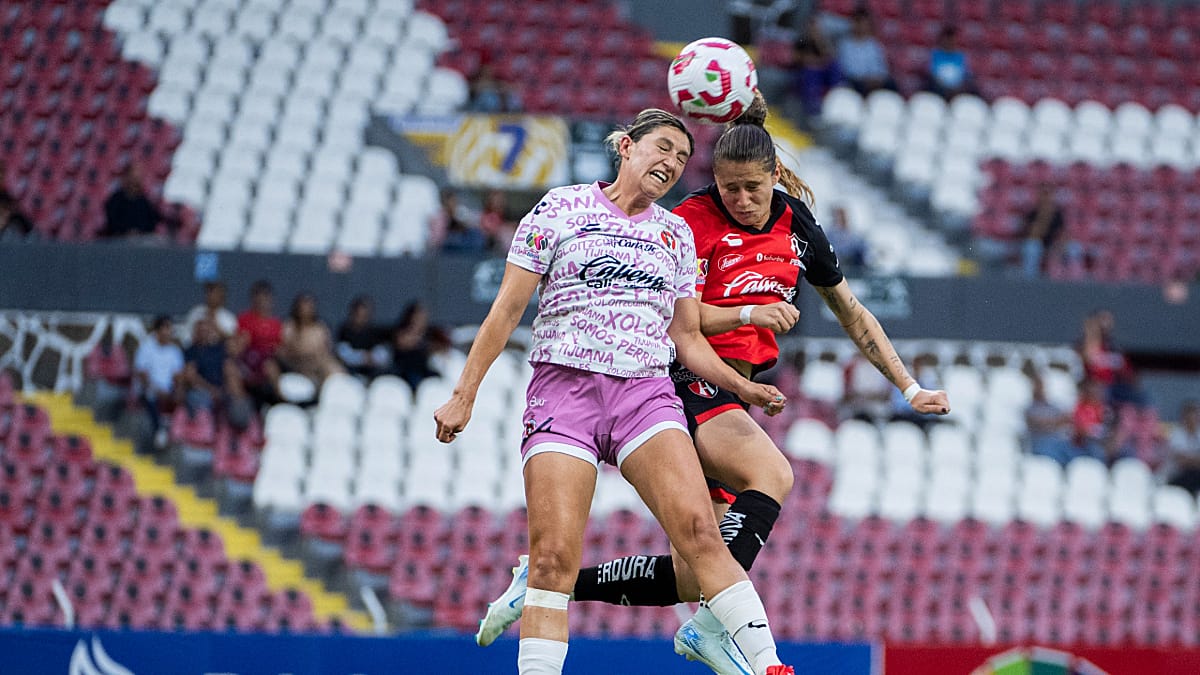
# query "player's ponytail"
(646, 121)
(746, 140)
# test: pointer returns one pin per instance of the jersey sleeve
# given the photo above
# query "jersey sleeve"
(824, 270)
(692, 213)
(687, 277)
(533, 243)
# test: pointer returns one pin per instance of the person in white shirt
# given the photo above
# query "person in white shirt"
(157, 365)
(861, 57)
(213, 308)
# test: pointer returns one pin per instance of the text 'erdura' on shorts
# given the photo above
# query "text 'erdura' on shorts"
(595, 417)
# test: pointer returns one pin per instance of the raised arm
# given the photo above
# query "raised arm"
(864, 330)
(693, 351)
(516, 288)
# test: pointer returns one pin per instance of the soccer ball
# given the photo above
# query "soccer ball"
(712, 80)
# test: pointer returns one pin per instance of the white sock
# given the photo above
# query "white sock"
(536, 656)
(741, 611)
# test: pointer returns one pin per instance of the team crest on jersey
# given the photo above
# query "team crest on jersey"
(799, 246)
(702, 267)
(668, 239)
(702, 388)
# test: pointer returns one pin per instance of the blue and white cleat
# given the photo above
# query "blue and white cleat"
(702, 638)
(506, 609)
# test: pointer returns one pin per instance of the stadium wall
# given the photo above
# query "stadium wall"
(458, 290)
(51, 652)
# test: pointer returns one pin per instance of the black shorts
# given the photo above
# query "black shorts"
(703, 401)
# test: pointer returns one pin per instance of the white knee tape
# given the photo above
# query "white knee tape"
(536, 597)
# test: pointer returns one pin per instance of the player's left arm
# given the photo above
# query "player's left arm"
(778, 317)
(867, 334)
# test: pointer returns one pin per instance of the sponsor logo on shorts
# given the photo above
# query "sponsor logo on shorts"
(535, 402)
(702, 388)
(532, 427)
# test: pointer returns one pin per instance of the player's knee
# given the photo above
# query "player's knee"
(697, 533)
(779, 478)
(552, 567)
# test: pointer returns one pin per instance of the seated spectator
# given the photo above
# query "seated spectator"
(1045, 236)
(1106, 364)
(258, 338)
(307, 346)
(452, 215)
(358, 341)
(1094, 433)
(1183, 450)
(949, 74)
(494, 223)
(868, 394)
(211, 379)
(108, 375)
(861, 59)
(157, 366)
(492, 95)
(850, 246)
(213, 309)
(411, 347)
(1048, 427)
(14, 226)
(128, 212)
(816, 68)
(461, 237)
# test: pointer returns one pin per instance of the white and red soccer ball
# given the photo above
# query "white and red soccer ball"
(712, 80)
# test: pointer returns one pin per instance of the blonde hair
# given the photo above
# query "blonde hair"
(646, 121)
(746, 139)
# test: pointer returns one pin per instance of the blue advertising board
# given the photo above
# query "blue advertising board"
(55, 652)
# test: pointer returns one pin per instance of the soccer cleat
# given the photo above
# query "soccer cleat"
(697, 640)
(780, 670)
(506, 609)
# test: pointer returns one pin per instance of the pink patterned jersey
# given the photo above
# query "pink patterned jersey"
(609, 282)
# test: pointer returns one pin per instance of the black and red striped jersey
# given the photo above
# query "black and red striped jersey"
(740, 265)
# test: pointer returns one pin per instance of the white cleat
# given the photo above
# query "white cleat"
(506, 609)
(703, 638)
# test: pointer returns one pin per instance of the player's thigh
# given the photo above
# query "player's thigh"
(666, 474)
(734, 450)
(558, 495)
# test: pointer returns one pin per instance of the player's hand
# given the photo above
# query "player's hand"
(452, 418)
(764, 396)
(930, 402)
(777, 317)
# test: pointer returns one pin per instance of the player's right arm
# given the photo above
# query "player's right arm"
(778, 317)
(516, 289)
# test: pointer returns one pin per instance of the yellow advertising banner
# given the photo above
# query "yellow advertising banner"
(495, 151)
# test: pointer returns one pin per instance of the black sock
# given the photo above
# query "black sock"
(747, 524)
(641, 580)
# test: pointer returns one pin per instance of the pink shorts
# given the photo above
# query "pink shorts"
(595, 417)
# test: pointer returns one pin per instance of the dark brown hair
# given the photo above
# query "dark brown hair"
(746, 140)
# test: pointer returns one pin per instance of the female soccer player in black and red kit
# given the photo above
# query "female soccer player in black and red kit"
(754, 243)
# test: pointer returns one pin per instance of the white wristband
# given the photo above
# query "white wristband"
(744, 315)
(913, 390)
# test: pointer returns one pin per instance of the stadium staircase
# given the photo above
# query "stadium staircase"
(195, 511)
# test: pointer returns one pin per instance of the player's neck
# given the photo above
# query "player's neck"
(630, 200)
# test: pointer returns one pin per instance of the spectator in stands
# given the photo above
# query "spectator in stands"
(816, 68)
(1183, 450)
(1091, 422)
(462, 237)
(861, 58)
(211, 379)
(128, 212)
(489, 94)
(494, 223)
(1048, 427)
(1106, 364)
(949, 74)
(213, 309)
(157, 366)
(307, 346)
(259, 335)
(410, 346)
(358, 340)
(851, 247)
(1045, 236)
(444, 220)
(14, 226)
